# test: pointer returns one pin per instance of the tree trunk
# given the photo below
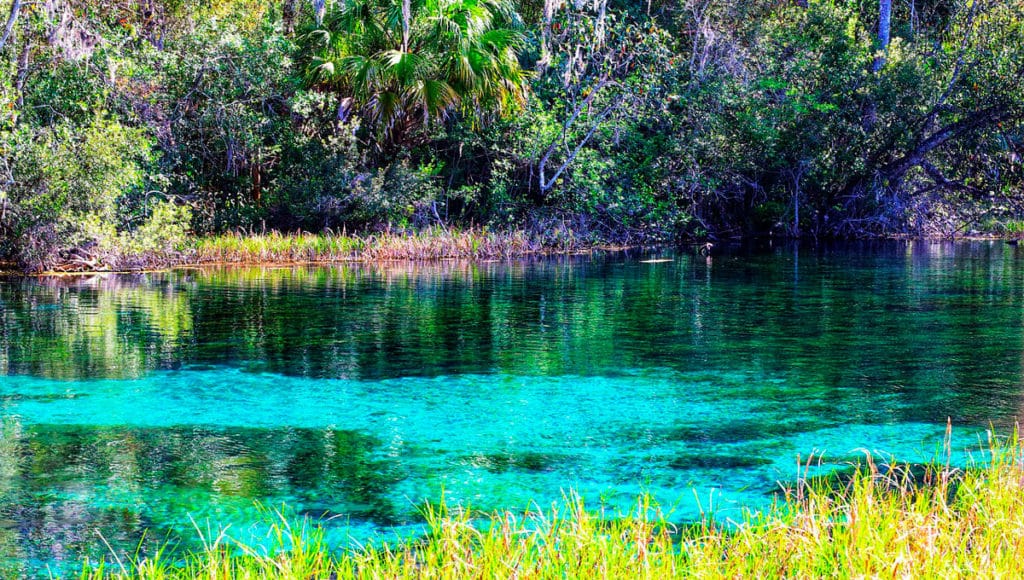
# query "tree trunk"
(547, 184)
(19, 85)
(884, 29)
(406, 23)
(545, 35)
(884, 25)
(601, 7)
(319, 10)
(288, 14)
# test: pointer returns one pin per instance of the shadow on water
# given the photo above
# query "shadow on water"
(517, 460)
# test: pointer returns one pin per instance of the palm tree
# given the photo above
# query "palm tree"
(400, 65)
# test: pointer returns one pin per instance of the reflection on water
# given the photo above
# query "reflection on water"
(351, 394)
(61, 485)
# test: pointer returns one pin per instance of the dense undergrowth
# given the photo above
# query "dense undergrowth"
(129, 125)
(881, 521)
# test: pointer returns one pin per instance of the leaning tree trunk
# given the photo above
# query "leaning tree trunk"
(11, 19)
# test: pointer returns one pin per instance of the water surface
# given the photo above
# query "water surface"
(353, 394)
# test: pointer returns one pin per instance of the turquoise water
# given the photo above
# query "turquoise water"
(352, 395)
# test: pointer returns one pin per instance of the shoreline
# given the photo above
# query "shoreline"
(190, 265)
(275, 249)
(301, 248)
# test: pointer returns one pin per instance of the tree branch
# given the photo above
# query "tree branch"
(544, 187)
(895, 170)
(545, 184)
(11, 19)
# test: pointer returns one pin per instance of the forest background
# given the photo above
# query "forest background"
(130, 127)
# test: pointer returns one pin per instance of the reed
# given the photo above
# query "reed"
(880, 522)
(249, 248)
(428, 244)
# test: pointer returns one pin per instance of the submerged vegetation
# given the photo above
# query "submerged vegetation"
(131, 127)
(132, 402)
(881, 521)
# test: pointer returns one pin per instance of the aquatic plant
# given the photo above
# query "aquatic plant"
(881, 521)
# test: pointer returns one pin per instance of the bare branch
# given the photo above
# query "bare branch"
(545, 186)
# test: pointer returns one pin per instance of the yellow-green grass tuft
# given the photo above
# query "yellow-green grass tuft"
(428, 244)
(891, 522)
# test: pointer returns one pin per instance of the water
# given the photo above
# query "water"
(352, 395)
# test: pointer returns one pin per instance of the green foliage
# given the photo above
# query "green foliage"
(619, 122)
(226, 108)
(336, 187)
(400, 66)
(164, 231)
(67, 181)
(582, 151)
(808, 139)
(797, 125)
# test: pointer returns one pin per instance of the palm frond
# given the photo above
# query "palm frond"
(461, 55)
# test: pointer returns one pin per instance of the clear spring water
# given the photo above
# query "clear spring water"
(353, 394)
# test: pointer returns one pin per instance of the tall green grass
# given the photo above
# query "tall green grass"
(274, 247)
(891, 522)
(428, 244)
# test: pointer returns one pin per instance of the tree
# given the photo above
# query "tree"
(68, 182)
(401, 65)
(603, 71)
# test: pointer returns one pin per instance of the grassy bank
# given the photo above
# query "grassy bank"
(879, 522)
(293, 248)
(429, 244)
